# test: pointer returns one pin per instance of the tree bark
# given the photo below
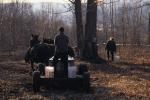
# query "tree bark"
(79, 26)
(90, 48)
(149, 30)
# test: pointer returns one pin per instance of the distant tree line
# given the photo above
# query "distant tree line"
(92, 22)
(97, 20)
(18, 21)
(126, 21)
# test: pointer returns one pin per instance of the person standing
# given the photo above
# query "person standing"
(61, 42)
(111, 48)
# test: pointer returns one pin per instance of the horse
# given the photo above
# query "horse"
(41, 53)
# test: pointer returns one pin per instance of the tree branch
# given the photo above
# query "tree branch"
(71, 1)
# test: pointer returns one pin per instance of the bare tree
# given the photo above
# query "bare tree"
(90, 48)
(149, 30)
(79, 26)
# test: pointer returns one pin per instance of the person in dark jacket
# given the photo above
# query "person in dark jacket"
(111, 48)
(61, 42)
(34, 41)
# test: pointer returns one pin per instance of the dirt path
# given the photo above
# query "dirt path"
(109, 82)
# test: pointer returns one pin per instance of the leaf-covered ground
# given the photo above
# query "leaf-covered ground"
(114, 81)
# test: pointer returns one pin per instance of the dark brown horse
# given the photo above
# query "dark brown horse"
(41, 53)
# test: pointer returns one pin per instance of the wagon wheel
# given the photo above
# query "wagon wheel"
(82, 68)
(36, 81)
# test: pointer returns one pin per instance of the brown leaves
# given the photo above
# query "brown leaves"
(111, 82)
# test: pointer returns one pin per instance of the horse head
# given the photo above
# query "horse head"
(35, 36)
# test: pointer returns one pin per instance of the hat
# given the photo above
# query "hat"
(61, 29)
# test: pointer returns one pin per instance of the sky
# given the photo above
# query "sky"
(57, 1)
(35, 1)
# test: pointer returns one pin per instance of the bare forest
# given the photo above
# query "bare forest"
(89, 24)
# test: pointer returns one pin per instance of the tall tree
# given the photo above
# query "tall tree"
(149, 30)
(90, 46)
(79, 26)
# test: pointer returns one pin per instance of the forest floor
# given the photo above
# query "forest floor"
(113, 81)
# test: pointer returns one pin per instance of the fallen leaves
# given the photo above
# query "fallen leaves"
(111, 82)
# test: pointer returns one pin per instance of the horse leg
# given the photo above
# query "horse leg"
(32, 65)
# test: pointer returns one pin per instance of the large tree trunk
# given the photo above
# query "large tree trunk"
(79, 26)
(149, 30)
(90, 48)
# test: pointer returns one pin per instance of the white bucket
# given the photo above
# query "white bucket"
(49, 72)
